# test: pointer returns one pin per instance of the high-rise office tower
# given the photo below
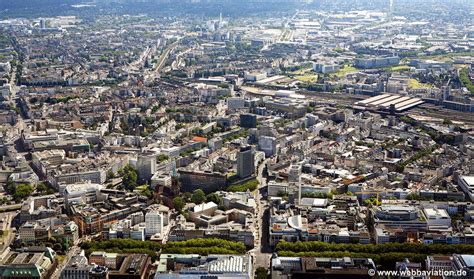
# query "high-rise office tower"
(245, 162)
(294, 182)
(153, 223)
(42, 23)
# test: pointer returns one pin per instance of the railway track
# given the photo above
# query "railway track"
(442, 113)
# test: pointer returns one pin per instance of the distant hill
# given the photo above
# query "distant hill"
(34, 8)
(31, 4)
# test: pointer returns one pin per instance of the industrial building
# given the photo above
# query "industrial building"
(387, 101)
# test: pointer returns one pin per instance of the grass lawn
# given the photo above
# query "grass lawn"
(141, 187)
(460, 66)
(307, 78)
(415, 84)
(61, 258)
(346, 70)
(301, 71)
(398, 68)
(4, 235)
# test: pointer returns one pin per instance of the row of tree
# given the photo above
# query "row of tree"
(123, 246)
(384, 261)
(250, 185)
(385, 255)
(60, 245)
(466, 81)
(415, 157)
(201, 246)
(318, 246)
(204, 246)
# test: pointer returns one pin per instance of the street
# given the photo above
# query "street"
(72, 252)
(260, 258)
(8, 234)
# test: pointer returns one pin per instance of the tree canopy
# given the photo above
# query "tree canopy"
(129, 177)
(384, 254)
(250, 185)
(201, 246)
(198, 196)
(23, 191)
(213, 197)
(18, 192)
(178, 203)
